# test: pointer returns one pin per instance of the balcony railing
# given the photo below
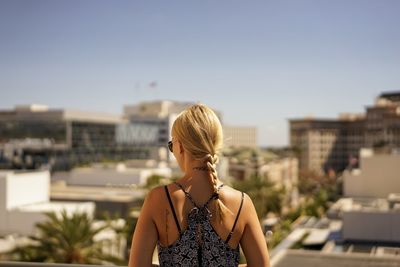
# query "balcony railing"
(38, 264)
(44, 264)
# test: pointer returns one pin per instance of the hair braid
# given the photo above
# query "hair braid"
(211, 163)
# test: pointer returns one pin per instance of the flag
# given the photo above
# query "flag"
(153, 84)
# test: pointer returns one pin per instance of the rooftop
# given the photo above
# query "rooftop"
(303, 258)
(95, 193)
(391, 95)
(44, 112)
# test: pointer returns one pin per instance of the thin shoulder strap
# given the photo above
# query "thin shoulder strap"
(173, 210)
(237, 217)
(187, 194)
(215, 195)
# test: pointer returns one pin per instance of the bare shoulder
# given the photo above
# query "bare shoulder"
(153, 199)
(232, 193)
(154, 195)
(234, 196)
(229, 192)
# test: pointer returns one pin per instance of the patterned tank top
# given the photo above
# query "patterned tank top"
(199, 245)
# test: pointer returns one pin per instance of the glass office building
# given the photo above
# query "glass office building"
(33, 135)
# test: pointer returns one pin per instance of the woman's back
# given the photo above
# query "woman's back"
(156, 224)
(209, 234)
(190, 234)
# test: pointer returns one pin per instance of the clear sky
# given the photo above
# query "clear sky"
(258, 62)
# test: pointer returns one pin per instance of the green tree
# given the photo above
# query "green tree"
(319, 191)
(65, 239)
(280, 232)
(265, 196)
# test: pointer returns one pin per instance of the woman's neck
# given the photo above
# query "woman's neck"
(200, 180)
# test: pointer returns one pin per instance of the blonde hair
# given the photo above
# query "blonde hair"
(200, 132)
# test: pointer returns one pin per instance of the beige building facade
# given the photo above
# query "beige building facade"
(333, 144)
(240, 136)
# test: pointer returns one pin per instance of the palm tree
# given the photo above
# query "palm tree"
(66, 239)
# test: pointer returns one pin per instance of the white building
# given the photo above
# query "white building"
(378, 175)
(365, 223)
(150, 122)
(24, 198)
(322, 245)
(371, 209)
(307, 258)
(371, 220)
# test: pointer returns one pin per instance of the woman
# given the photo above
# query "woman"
(197, 220)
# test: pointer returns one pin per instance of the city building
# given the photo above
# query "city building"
(369, 220)
(240, 136)
(116, 175)
(307, 258)
(151, 124)
(25, 197)
(116, 189)
(378, 174)
(34, 135)
(109, 200)
(334, 144)
(320, 242)
(370, 209)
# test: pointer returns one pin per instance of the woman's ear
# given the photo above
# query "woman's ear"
(181, 149)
